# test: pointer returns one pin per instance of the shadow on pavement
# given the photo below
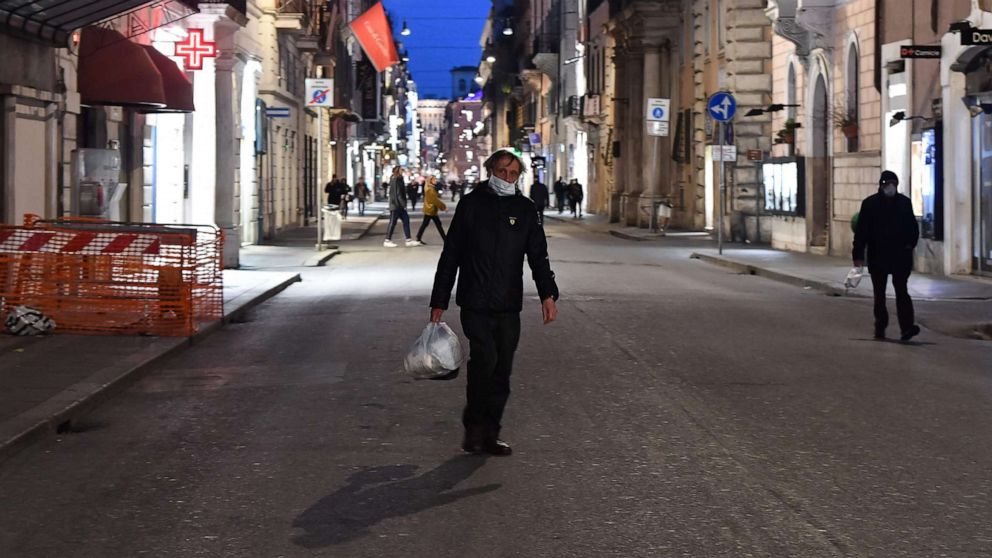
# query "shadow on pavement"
(350, 511)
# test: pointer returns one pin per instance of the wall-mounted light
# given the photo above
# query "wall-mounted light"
(900, 116)
(479, 80)
(406, 30)
(491, 59)
(507, 30)
(775, 107)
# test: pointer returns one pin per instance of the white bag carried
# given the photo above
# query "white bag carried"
(854, 277)
(435, 355)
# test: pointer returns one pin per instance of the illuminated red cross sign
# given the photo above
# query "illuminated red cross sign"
(195, 49)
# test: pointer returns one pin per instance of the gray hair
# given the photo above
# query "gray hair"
(490, 163)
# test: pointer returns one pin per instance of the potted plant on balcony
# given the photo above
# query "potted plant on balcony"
(787, 134)
(846, 121)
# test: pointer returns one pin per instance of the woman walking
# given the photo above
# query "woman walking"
(432, 203)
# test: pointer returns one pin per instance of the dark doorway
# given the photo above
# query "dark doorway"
(818, 213)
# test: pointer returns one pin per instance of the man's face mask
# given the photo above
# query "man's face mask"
(889, 189)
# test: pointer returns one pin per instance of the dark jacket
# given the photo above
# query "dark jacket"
(888, 229)
(539, 193)
(485, 248)
(397, 193)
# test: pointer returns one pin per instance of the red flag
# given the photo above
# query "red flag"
(373, 33)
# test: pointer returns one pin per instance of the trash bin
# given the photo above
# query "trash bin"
(332, 222)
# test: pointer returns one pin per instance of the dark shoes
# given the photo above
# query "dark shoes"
(910, 333)
(476, 442)
(879, 334)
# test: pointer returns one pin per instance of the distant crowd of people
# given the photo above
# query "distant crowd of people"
(399, 193)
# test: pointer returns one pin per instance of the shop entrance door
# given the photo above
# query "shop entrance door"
(983, 195)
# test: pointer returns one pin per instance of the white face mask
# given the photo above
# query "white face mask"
(889, 190)
(502, 187)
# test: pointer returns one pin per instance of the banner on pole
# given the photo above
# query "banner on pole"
(374, 34)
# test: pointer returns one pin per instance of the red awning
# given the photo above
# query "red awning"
(116, 71)
(178, 89)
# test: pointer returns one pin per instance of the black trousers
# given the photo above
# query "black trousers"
(361, 206)
(904, 304)
(492, 340)
(427, 220)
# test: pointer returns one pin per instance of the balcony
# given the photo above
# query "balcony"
(293, 15)
(239, 5)
(546, 48)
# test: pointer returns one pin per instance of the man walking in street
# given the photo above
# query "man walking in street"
(397, 209)
(575, 196)
(494, 227)
(539, 193)
(888, 229)
(559, 189)
(362, 195)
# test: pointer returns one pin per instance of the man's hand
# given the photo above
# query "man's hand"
(549, 309)
(859, 263)
(436, 315)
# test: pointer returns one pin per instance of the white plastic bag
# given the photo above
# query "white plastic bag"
(854, 277)
(436, 354)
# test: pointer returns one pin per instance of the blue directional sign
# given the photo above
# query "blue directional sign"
(658, 113)
(277, 112)
(722, 106)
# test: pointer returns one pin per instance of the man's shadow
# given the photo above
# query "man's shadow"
(375, 494)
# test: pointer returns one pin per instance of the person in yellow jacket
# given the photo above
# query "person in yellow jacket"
(432, 203)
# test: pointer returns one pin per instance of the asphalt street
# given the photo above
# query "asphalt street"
(675, 409)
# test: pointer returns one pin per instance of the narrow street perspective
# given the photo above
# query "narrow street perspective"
(495, 278)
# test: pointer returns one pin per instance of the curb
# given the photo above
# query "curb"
(56, 414)
(781, 277)
(625, 236)
(321, 260)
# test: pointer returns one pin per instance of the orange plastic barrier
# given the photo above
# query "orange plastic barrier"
(114, 278)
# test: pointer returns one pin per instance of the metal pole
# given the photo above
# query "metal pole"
(720, 188)
(654, 177)
(320, 178)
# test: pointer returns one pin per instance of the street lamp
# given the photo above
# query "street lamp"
(491, 59)
(900, 116)
(406, 30)
(507, 30)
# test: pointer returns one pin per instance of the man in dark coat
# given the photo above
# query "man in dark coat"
(494, 227)
(539, 193)
(888, 229)
(560, 190)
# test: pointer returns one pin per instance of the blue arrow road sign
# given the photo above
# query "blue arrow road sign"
(722, 106)
(658, 113)
(277, 112)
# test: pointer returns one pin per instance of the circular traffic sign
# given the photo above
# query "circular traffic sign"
(722, 106)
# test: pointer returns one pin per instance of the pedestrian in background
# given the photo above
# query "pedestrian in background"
(331, 189)
(344, 196)
(362, 195)
(412, 191)
(559, 189)
(397, 209)
(494, 227)
(888, 229)
(575, 196)
(539, 193)
(432, 204)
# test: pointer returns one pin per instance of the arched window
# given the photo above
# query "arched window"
(851, 98)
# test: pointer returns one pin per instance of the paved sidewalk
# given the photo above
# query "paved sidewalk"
(47, 381)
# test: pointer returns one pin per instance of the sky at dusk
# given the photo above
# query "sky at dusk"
(444, 34)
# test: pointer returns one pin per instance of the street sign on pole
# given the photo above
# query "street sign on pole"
(721, 107)
(659, 129)
(657, 110)
(320, 92)
(277, 112)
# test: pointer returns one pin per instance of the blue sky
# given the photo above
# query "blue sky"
(438, 41)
